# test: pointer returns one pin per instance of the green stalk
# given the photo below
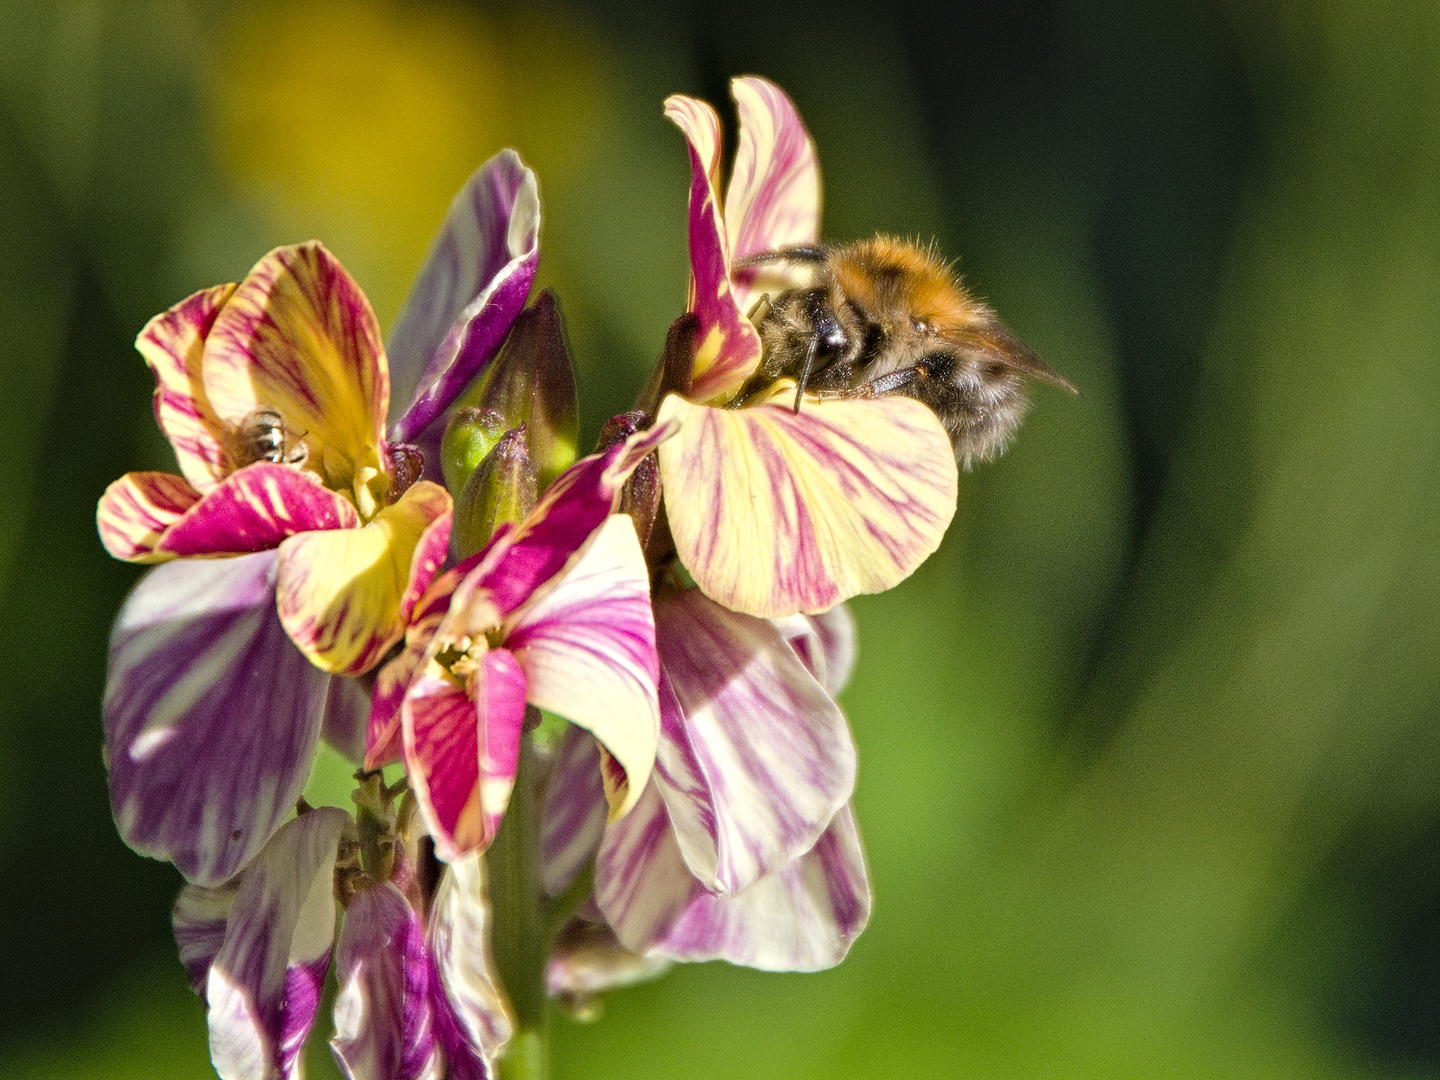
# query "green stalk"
(519, 934)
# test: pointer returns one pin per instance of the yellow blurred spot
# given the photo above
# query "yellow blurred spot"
(357, 122)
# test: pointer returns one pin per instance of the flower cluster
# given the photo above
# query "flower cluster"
(618, 672)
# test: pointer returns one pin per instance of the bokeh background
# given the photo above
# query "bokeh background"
(1150, 760)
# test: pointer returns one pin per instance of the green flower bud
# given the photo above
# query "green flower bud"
(502, 489)
(531, 383)
(469, 436)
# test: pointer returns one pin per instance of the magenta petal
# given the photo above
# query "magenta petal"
(519, 561)
(383, 1021)
(755, 759)
(254, 509)
(472, 286)
(803, 917)
(461, 754)
(727, 346)
(383, 742)
(264, 986)
(211, 715)
(573, 819)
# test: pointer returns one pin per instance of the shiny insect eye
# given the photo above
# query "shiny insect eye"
(920, 326)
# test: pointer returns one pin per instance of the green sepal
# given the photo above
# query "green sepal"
(469, 437)
(502, 489)
(531, 382)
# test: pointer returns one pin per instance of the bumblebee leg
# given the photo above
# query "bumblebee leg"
(805, 371)
(754, 308)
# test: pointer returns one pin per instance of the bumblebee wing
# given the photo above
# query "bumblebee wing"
(994, 341)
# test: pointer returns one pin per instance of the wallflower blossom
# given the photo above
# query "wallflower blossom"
(217, 688)
(554, 612)
(775, 511)
(418, 998)
(743, 846)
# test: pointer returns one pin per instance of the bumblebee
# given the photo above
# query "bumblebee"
(884, 316)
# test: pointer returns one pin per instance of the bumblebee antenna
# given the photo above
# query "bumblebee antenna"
(803, 253)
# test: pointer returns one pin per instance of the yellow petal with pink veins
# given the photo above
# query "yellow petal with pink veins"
(299, 337)
(173, 343)
(776, 512)
(344, 594)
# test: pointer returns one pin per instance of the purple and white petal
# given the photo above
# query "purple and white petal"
(755, 759)
(587, 645)
(472, 286)
(573, 819)
(198, 920)
(211, 715)
(384, 1027)
(803, 917)
(471, 1015)
(773, 200)
(827, 644)
(587, 960)
(264, 986)
(347, 708)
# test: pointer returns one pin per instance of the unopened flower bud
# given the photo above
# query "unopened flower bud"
(502, 489)
(471, 434)
(531, 382)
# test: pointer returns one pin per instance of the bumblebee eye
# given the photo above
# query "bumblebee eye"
(920, 326)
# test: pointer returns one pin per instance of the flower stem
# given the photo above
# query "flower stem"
(520, 941)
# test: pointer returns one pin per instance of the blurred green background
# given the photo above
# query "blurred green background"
(1150, 767)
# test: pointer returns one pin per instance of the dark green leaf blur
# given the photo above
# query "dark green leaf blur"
(1150, 750)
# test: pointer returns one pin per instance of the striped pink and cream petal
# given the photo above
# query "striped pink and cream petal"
(776, 512)
(384, 1024)
(827, 644)
(344, 594)
(461, 753)
(472, 1019)
(727, 346)
(471, 288)
(264, 985)
(803, 917)
(212, 716)
(256, 509)
(587, 645)
(172, 344)
(773, 200)
(298, 336)
(755, 759)
(520, 561)
(136, 510)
